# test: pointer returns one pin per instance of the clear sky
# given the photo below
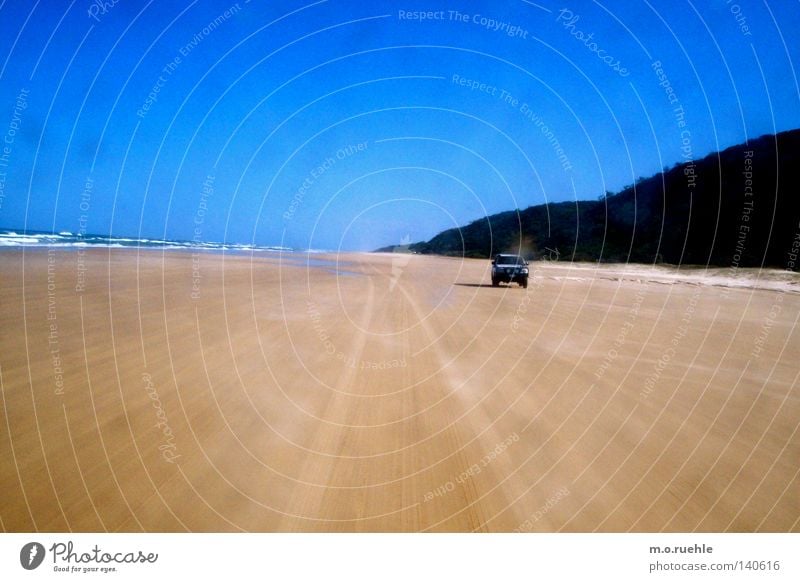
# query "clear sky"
(241, 122)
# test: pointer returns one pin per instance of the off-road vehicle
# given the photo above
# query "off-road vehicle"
(508, 268)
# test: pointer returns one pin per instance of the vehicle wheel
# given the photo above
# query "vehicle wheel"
(524, 283)
(495, 283)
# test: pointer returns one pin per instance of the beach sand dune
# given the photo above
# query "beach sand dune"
(170, 392)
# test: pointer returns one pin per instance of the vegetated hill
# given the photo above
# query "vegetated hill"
(739, 207)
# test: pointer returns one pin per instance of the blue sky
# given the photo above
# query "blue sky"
(254, 132)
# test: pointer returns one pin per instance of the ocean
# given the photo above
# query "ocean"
(12, 238)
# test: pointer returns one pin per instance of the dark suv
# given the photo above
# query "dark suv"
(508, 268)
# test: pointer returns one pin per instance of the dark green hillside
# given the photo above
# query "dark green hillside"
(702, 212)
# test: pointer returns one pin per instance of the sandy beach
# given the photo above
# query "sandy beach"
(153, 391)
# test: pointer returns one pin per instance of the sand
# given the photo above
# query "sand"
(152, 391)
